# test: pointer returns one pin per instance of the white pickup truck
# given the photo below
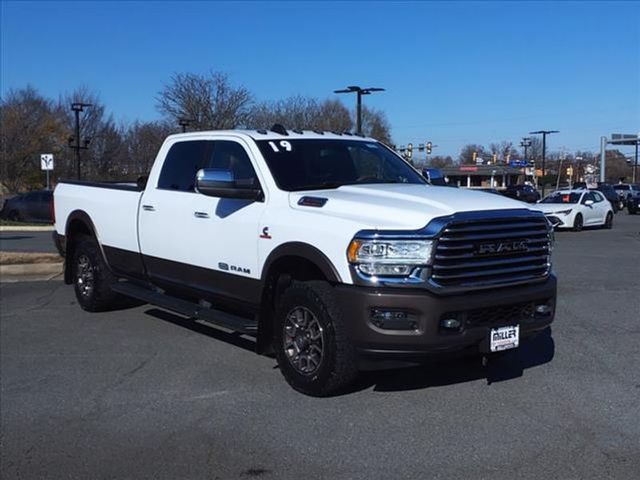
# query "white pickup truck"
(329, 249)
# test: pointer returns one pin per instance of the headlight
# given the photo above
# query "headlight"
(389, 257)
(563, 212)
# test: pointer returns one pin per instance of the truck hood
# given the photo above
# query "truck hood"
(400, 206)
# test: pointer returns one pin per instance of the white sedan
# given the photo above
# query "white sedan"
(577, 209)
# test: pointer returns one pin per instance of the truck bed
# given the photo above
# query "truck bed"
(112, 207)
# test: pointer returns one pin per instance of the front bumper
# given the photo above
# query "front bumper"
(477, 312)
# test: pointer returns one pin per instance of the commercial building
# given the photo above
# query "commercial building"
(487, 176)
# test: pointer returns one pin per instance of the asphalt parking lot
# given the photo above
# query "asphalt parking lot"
(142, 393)
(27, 242)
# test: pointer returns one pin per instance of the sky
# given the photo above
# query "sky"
(454, 73)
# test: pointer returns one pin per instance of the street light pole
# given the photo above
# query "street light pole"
(359, 92)
(525, 143)
(184, 123)
(544, 134)
(74, 143)
(635, 165)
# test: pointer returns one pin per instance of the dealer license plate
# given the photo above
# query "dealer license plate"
(504, 338)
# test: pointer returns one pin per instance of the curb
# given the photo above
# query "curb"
(18, 228)
(25, 272)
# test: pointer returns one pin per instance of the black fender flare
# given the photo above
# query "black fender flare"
(306, 251)
(83, 217)
(290, 249)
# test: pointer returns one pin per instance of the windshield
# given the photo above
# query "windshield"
(621, 187)
(559, 197)
(319, 164)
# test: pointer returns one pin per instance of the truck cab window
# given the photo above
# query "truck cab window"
(183, 161)
(228, 155)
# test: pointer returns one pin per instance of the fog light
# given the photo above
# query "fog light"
(450, 323)
(543, 309)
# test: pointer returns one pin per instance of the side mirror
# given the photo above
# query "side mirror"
(221, 183)
(588, 203)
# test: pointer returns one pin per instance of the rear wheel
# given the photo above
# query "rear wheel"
(313, 351)
(608, 223)
(578, 223)
(92, 279)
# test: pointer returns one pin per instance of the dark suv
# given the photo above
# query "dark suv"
(626, 191)
(36, 206)
(524, 193)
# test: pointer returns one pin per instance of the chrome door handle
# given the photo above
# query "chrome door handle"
(149, 208)
(201, 214)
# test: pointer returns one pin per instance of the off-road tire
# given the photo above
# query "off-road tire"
(337, 369)
(99, 297)
(578, 223)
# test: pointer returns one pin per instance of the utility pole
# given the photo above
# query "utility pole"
(544, 134)
(635, 165)
(184, 123)
(359, 92)
(603, 157)
(74, 142)
(525, 143)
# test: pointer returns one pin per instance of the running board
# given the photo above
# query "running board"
(189, 309)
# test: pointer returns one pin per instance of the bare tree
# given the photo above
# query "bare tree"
(439, 161)
(302, 113)
(466, 154)
(95, 127)
(29, 128)
(142, 140)
(210, 101)
(376, 125)
(503, 150)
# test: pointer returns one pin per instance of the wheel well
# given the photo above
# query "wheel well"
(76, 229)
(281, 273)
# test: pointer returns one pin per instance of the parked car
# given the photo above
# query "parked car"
(36, 206)
(577, 209)
(626, 191)
(524, 193)
(606, 189)
(331, 250)
(633, 205)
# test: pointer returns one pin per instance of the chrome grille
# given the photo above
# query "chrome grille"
(492, 252)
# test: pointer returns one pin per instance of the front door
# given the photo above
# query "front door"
(196, 244)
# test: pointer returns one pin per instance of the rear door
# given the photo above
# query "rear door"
(589, 212)
(601, 207)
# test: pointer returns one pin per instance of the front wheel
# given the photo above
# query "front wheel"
(578, 223)
(608, 223)
(313, 351)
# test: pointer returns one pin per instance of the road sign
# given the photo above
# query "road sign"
(624, 139)
(46, 161)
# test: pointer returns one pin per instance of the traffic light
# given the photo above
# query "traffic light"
(495, 158)
(410, 150)
(475, 155)
(429, 147)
